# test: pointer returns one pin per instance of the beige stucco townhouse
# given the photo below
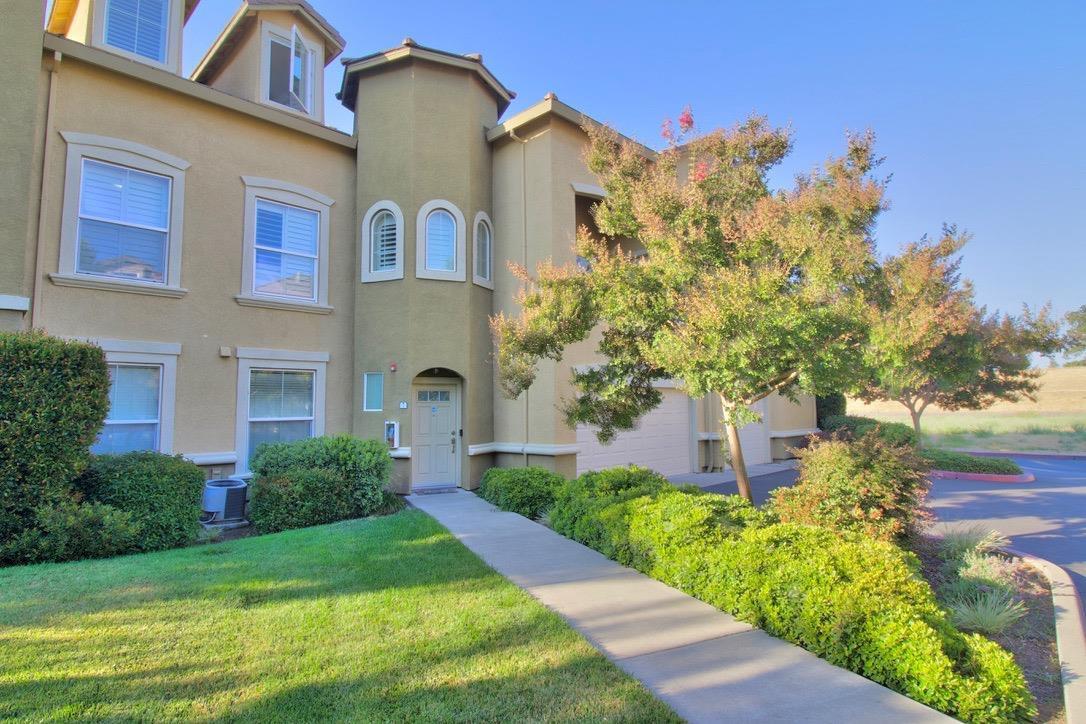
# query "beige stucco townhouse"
(254, 274)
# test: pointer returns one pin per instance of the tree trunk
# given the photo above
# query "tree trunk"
(738, 464)
(915, 415)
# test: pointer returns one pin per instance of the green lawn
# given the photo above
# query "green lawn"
(380, 619)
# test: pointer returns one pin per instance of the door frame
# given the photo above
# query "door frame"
(457, 386)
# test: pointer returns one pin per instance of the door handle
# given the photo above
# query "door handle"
(452, 441)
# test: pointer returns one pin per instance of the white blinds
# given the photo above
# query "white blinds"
(440, 241)
(383, 242)
(133, 420)
(285, 250)
(124, 218)
(138, 26)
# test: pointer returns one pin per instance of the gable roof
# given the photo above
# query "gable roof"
(220, 52)
(410, 50)
(63, 11)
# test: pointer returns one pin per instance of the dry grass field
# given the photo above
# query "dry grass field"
(1056, 422)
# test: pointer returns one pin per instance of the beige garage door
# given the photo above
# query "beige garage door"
(660, 442)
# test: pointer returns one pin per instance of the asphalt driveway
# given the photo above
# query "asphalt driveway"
(1046, 518)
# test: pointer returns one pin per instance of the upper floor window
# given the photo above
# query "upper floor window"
(139, 27)
(289, 69)
(286, 246)
(382, 242)
(121, 226)
(483, 251)
(440, 251)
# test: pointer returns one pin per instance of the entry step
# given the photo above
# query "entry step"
(434, 489)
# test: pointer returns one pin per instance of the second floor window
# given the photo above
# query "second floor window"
(440, 241)
(285, 251)
(139, 27)
(383, 242)
(124, 222)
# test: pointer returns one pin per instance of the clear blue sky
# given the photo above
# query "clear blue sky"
(979, 107)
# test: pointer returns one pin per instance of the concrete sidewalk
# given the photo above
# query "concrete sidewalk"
(706, 665)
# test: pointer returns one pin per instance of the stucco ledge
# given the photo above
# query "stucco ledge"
(247, 301)
(117, 285)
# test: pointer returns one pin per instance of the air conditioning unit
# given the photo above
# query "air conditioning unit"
(224, 500)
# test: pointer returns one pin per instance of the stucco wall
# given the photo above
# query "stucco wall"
(221, 146)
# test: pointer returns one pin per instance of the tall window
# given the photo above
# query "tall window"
(139, 27)
(373, 392)
(285, 251)
(440, 241)
(135, 410)
(483, 274)
(383, 242)
(124, 222)
(290, 71)
(281, 406)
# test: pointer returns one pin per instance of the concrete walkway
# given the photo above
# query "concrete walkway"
(706, 665)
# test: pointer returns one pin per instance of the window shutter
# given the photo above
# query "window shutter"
(441, 241)
(139, 27)
(383, 242)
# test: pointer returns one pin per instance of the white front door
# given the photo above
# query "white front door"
(435, 437)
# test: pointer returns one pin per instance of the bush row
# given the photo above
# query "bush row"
(855, 427)
(966, 463)
(528, 491)
(857, 602)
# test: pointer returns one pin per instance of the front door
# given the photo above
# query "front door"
(435, 437)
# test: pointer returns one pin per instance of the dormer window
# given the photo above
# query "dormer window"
(145, 30)
(290, 65)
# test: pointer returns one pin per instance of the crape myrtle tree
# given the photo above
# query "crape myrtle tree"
(744, 291)
(1076, 335)
(931, 345)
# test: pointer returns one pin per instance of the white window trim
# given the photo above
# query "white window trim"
(173, 37)
(293, 195)
(163, 354)
(141, 158)
(275, 359)
(458, 274)
(365, 397)
(316, 80)
(367, 243)
(487, 282)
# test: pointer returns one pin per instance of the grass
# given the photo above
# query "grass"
(1056, 422)
(988, 612)
(385, 619)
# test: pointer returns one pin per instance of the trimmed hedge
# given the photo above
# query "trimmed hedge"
(854, 426)
(73, 531)
(364, 464)
(834, 404)
(966, 463)
(856, 602)
(528, 491)
(863, 486)
(299, 498)
(54, 396)
(161, 492)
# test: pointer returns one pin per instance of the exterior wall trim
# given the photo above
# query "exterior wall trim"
(283, 355)
(458, 274)
(136, 346)
(400, 453)
(596, 192)
(291, 188)
(482, 217)
(794, 433)
(94, 140)
(212, 458)
(530, 448)
(247, 300)
(14, 302)
(116, 285)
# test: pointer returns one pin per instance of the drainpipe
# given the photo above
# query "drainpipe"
(39, 258)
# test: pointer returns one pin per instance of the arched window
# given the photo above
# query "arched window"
(483, 274)
(440, 241)
(383, 246)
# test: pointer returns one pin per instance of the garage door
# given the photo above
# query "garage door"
(660, 442)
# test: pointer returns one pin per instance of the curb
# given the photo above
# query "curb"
(983, 477)
(1030, 455)
(1070, 633)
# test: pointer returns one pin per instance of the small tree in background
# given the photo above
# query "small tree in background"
(930, 344)
(1076, 335)
(743, 293)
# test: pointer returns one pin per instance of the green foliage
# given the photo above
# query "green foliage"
(966, 463)
(54, 395)
(72, 530)
(955, 543)
(857, 602)
(364, 464)
(833, 404)
(162, 493)
(578, 502)
(990, 612)
(299, 498)
(528, 491)
(854, 426)
(863, 486)
(1075, 341)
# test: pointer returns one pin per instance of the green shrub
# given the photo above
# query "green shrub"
(857, 602)
(854, 426)
(966, 463)
(528, 491)
(364, 464)
(986, 611)
(863, 486)
(956, 542)
(831, 405)
(72, 531)
(54, 396)
(578, 502)
(162, 493)
(299, 498)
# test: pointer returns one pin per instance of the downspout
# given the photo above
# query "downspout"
(39, 258)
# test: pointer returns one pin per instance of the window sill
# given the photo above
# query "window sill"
(117, 285)
(484, 283)
(282, 304)
(441, 276)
